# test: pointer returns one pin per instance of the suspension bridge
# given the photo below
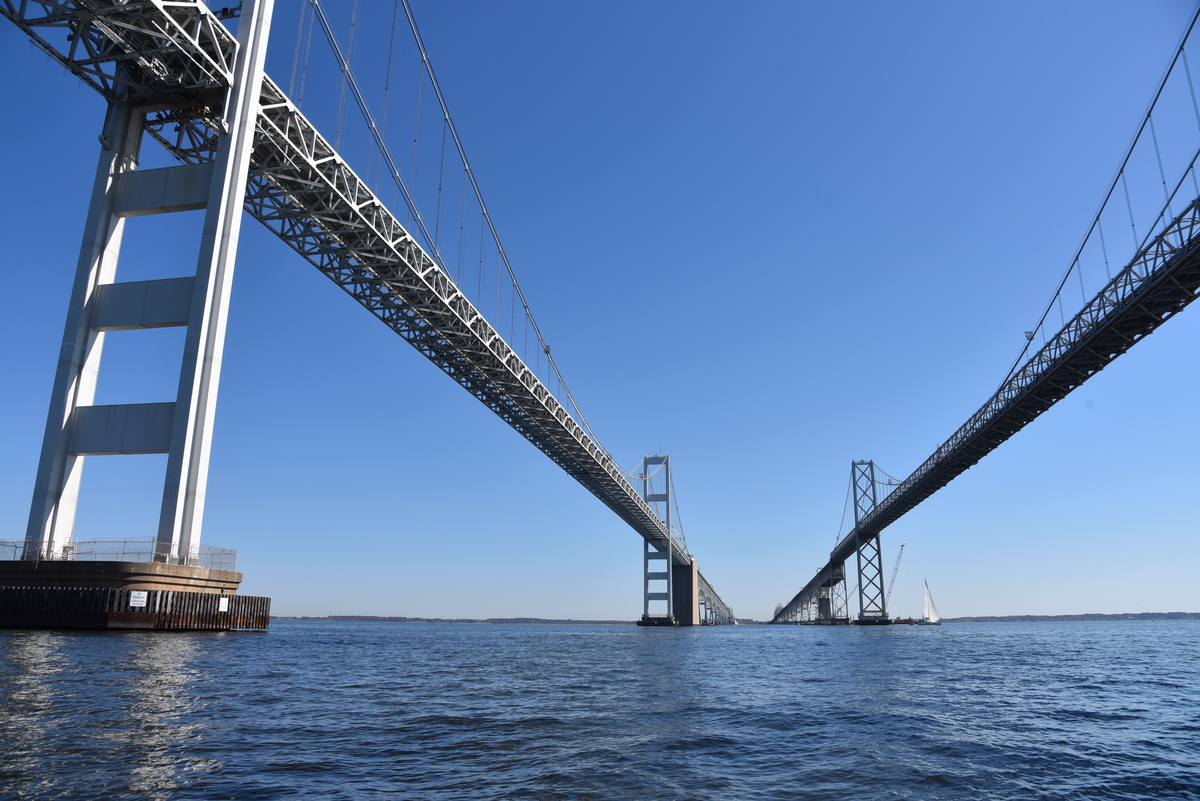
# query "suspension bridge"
(173, 74)
(1160, 279)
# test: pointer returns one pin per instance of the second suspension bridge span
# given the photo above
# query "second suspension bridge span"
(1160, 279)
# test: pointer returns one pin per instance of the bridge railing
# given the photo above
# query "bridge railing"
(122, 550)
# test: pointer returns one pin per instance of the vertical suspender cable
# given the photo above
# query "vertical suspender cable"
(479, 275)
(462, 228)
(304, 65)
(487, 223)
(412, 23)
(387, 88)
(437, 220)
(412, 172)
(337, 138)
(296, 56)
(1191, 87)
(1179, 53)
(1104, 250)
(1162, 174)
(1129, 206)
(383, 149)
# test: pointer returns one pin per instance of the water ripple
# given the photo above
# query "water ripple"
(364, 711)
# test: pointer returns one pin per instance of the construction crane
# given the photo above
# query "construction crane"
(888, 600)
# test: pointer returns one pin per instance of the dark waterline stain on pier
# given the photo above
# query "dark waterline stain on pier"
(384, 710)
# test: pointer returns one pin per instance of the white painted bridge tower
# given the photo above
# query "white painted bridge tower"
(182, 429)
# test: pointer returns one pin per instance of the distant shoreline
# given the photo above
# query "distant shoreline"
(1074, 618)
(479, 621)
(541, 621)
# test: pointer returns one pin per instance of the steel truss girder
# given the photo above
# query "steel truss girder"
(1160, 281)
(137, 51)
(304, 192)
(828, 604)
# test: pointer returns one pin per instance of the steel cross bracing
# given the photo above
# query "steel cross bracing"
(175, 57)
(1162, 279)
(131, 50)
(871, 604)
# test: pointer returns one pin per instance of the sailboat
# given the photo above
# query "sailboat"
(931, 616)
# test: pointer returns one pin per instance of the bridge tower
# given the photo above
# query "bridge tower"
(660, 574)
(674, 589)
(99, 303)
(872, 601)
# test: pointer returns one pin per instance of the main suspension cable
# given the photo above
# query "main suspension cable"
(678, 517)
(1118, 179)
(486, 218)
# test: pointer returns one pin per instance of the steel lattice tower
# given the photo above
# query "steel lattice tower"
(872, 602)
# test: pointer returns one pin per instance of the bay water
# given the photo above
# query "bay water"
(365, 710)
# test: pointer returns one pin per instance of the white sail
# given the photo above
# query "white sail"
(931, 612)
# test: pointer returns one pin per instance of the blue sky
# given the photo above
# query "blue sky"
(765, 242)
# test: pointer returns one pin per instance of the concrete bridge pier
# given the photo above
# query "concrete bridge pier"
(685, 588)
